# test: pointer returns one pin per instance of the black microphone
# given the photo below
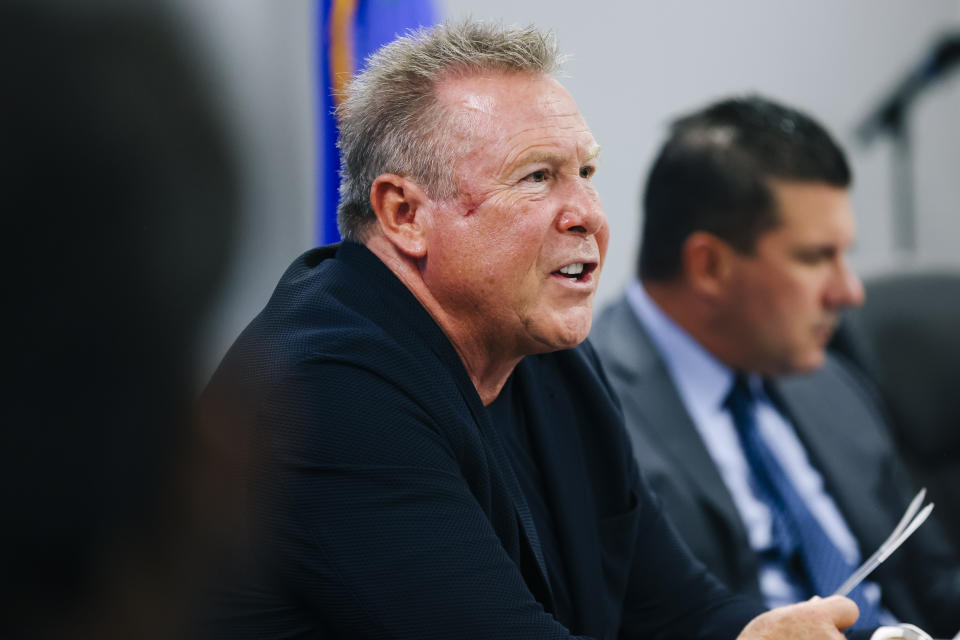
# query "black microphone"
(888, 116)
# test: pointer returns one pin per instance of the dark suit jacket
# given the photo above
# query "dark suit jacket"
(846, 437)
(383, 503)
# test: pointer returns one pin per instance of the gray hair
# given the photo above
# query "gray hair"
(391, 122)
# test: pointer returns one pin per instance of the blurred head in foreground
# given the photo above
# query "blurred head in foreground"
(747, 218)
(118, 195)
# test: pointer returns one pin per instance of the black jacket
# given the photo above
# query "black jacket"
(383, 503)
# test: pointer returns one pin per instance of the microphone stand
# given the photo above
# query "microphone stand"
(891, 118)
(904, 213)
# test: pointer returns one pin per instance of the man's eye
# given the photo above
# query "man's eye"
(587, 172)
(537, 176)
(815, 257)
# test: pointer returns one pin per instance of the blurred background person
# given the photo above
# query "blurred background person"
(772, 458)
(119, 197)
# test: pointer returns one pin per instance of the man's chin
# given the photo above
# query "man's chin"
(566, 337)
(809, 363)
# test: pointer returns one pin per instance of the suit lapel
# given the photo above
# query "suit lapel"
(423, 325)
(521, 508)
(654, 396)
(676, 434)
(437, 341)
(556, 442)
(839, 448)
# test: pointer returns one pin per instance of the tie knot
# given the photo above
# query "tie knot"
(740, 394)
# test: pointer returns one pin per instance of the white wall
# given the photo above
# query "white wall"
(263, 53)
(635, 65)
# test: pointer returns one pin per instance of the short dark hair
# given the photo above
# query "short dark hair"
(713, 173)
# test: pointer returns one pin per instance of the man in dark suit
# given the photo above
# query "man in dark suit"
(434, 454)
(742, 276)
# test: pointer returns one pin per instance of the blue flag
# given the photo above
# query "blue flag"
(347, 32)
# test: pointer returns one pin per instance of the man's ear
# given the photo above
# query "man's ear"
(708, 263)
(399, 205)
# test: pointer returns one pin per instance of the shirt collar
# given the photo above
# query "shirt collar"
(701, 379)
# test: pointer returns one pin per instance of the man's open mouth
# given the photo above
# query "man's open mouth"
(576, 270)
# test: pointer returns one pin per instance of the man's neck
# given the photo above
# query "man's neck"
(696, 316)
(488, 366)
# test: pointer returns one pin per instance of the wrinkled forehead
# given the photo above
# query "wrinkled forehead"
(481, 90)
(501, 98)
(498, 117)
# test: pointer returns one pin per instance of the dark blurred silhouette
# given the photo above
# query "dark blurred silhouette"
(118, 196)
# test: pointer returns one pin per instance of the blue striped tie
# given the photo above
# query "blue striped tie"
(795, 529)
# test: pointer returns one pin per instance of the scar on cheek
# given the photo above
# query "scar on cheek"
(470, 212)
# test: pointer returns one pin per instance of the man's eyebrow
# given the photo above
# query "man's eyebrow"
(553, 157)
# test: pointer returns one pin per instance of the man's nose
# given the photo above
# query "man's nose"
(847, 289)
(581, 212)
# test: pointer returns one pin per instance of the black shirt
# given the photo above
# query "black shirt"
(509, 419)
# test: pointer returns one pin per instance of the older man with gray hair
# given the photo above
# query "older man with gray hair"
(436, 454)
